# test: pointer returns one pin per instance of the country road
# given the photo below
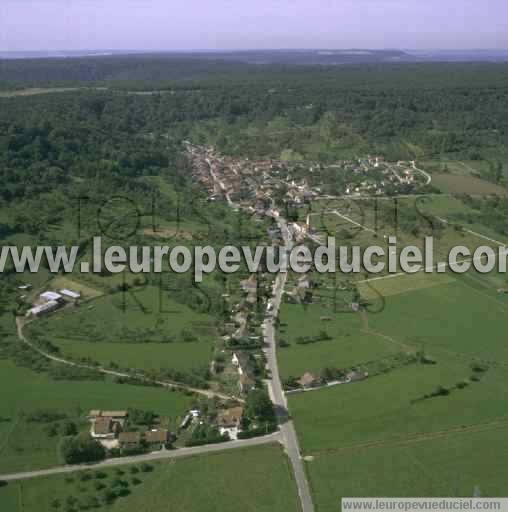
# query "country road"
(287, 429)
(20, 323)
(289, 437)
(136, 459)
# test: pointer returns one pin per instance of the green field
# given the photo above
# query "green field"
(254, 480)
(139, 330)
(455, 464)
(349, 431)
(448, 317)
(457, 184)
(348, 346)
(442, 321)
(25, 445)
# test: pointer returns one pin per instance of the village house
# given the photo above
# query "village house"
(308, 380)
(106, 424)
(157, 439)
(102, 428)
(228, 421)
(129, 439)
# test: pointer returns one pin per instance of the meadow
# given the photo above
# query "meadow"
(143, 328)
(349, 344)
(463, 184)
(421, 421)
(255, 480)
(449, 465)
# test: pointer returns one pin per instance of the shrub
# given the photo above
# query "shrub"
(79, 449)
(85, 476)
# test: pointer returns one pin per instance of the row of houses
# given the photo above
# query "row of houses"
(107, 427)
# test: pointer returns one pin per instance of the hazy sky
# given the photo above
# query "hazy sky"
(240, 24)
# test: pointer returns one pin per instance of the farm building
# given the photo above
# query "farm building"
(70, 294)
(42, 309)
(50, 296)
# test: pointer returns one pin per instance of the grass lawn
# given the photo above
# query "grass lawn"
(452, 465)
(26, 446)
(255, 480)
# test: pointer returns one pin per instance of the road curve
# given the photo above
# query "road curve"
(162, 455)
(20, 323)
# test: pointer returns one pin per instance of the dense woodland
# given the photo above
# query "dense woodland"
(111, 138)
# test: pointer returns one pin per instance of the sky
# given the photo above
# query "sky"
(42, 25)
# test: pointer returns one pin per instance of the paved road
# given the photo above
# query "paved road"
(165, 454)
(20, 323)
(287, 428)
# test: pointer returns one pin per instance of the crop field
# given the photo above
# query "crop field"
(450, 464)
(142, 329)
(255, 480)
(25, 445)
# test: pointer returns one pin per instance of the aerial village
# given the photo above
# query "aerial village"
(258, 188)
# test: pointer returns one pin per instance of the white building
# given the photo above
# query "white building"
(70, 294)
(50, 296)
(47, 307)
